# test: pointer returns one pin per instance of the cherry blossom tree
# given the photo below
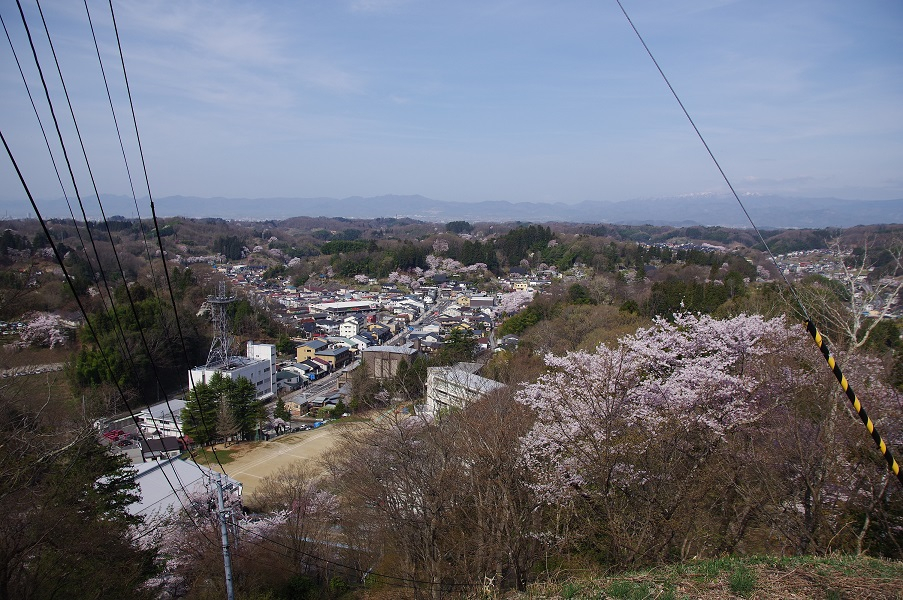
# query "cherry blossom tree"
(361, 278)
(625, 432)
(513, 302)
(43, 329)
(695, 436)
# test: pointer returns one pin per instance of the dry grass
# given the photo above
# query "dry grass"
(761, 578)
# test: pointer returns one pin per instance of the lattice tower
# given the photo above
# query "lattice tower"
(222, 341)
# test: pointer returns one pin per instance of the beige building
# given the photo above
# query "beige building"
(382, 361)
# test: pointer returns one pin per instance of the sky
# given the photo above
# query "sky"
(471, 100)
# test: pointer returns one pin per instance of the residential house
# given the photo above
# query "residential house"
(337, 357)
(162, 420)
(349, 327)
(161, 448)
(309, 349)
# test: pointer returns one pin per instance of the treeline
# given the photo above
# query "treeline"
(222, 410)
(135, 344)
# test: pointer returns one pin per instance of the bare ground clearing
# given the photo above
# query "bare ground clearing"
(250, 462)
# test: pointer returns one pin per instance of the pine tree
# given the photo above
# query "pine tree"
(281, 412)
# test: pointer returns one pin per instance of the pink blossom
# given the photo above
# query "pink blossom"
(696, 372)
(512, 302)
(43, 329)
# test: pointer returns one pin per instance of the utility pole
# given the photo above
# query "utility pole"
(227, 557)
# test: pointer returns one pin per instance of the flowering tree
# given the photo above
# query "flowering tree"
(513, 302)
(451, 265)
(687, 436)
(440, 246)
(361, 278)
(626, 431)
(306, 511)
(43, 329)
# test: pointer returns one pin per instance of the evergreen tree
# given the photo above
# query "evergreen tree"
(200, 415)
(281, 412)
(242, 398)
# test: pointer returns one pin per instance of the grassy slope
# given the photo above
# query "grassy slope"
(833, 577)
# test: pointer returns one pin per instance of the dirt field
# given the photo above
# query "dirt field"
(254, 461)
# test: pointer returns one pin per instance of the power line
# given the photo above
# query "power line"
(156, 224)
(125, 160)
(131, 303)
(96, 337)
(82, 309)
(809, 323)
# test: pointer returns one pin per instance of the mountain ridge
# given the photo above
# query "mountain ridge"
(767, 211)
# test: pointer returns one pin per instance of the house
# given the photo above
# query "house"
(162, 448)
(380, 332)
(482, 302)
(349, 327)
(337, 357)
(318, 367)
(162, 420)
(309, 349)
(288, 380)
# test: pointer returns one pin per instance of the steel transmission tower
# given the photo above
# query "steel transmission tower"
(222, 341)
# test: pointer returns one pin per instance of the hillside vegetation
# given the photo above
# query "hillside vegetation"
(667, 428)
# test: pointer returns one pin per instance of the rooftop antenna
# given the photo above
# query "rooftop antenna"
(222, 341)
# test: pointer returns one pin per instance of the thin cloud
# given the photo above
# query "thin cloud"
(376, 6)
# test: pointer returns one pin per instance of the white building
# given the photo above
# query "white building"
(456, 387)
(169, 486)
(162, 420)
(265, 352)
(349, 328)
(259, 367)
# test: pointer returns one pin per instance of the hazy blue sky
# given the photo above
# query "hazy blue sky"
(473, 100)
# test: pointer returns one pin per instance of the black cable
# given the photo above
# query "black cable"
(157, 227)
(56, 170)
(125, 160)
(84, 313)
(44, 134)
(120, 339)
(127, 351)
(100, 269)
(131, 303)
(715, 160)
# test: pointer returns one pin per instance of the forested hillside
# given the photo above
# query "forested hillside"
(662, 404)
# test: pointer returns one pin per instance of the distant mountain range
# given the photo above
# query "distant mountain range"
(703, 209)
